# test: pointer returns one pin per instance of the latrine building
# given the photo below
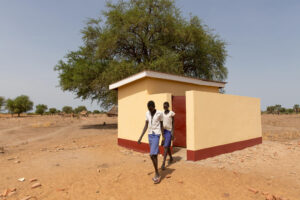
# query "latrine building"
(207, 123)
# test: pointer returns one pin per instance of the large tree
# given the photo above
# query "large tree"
(19, 105)
(136, 35)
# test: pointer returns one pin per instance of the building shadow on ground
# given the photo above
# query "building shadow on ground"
(175, 159)
(100, 126)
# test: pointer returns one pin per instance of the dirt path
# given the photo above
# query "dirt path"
(79, 159)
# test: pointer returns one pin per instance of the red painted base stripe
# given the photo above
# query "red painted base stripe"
(143, 147)
(218, 150)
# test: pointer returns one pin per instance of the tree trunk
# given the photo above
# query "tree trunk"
(19, 114)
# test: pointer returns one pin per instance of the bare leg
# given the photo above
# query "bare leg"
(165, 157)
(154, 161)
(170, 154)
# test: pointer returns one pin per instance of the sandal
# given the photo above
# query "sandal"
(156, 180)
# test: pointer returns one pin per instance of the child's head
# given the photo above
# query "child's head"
(151, 106)
(166, 105)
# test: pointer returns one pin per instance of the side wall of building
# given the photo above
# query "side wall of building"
(220, 123)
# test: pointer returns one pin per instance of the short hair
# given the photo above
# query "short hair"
(167, 103)
(151, 104)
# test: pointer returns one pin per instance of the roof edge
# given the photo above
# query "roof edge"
(166, 76)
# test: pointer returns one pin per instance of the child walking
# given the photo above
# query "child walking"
(154, 123)
(168, 123)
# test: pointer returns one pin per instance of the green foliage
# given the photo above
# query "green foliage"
(96, 112)
(79, 109)
(19, 105)
(278, 109)
(53, 111)
(67, 109)
(296, 108)
(136, 35)
(40, 109)
(2, 102)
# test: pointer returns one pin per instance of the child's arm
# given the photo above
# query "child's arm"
(172, 131)
(144, 131)
(162, 133)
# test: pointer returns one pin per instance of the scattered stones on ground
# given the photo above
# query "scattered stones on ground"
(226, 195)
(253, 190)
(17, 161)
(5, 192)
(33, 180)
(1, 149)
(21, 179)
(11, 193)
(26, 198)
(36, 185)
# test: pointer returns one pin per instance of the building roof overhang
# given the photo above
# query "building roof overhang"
(166, 76)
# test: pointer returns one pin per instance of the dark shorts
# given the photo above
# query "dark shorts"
(168, 136)
(154, 143)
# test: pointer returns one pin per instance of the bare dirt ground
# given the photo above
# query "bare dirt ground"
(79, 159)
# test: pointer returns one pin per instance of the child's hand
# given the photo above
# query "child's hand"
(139, 141)
(163, 142)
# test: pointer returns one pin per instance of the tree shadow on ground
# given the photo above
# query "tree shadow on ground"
(100, 126)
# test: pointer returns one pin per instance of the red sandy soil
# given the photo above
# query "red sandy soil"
(79, 159)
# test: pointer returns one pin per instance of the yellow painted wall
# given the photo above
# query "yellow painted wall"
(217, 119)
(132, 107)
(133, 98)
(155, 86)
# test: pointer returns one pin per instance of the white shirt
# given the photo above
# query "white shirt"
(154, 122)
(167, 121)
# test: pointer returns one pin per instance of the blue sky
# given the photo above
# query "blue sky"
(263, 39)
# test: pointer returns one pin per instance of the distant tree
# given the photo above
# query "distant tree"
(53, 111)
(80, 109)
(283, 110)
(277, 108)
(296, 108)
(137, 35)
(40, 109)
(290, 111)
(67, 109)
(96, 112)
(2, 103)
(19, 105)
(10, 106)
(271, 109)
